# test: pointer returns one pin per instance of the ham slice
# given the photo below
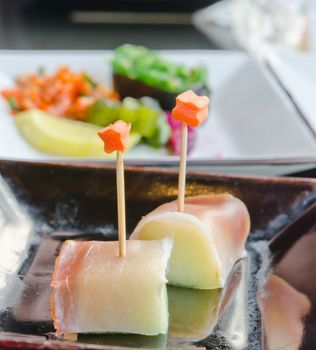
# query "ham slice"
(96, 291)
(208, 238)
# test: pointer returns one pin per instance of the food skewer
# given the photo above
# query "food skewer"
(208, 238)
(211, 232)
(115, 138)
(84, 270)
(191, 110)
(120, 188)
(210, 235)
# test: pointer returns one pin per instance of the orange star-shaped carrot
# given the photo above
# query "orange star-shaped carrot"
(191, 108)
(115, 136)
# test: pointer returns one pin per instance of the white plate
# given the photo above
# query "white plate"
(251, 117)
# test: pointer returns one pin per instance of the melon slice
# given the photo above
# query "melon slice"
(96, 291)
(208, 238)
(193, 312)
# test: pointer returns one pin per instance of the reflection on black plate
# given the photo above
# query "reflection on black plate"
(283, 310)
(297, 269)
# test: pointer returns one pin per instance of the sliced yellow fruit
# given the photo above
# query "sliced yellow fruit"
(64, 137)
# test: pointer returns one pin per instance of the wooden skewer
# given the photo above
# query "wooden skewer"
(115, 138)
(121, 203)
(191, 110)
(182, 167)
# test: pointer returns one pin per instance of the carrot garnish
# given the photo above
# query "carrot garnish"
(191, 108)
(115, 136)
(65, 93)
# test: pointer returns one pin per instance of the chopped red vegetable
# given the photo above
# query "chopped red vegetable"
(64, 93)
(176, 134)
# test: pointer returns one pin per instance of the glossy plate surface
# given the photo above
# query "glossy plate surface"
(62, 200)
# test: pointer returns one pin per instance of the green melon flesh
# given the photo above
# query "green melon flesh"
(192, 249)
(192, 312)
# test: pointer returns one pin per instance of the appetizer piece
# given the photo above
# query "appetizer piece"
(209, 232)
(99, 287)
(97, 291)
(193, 313)
(138, 72)
(208, 238)
(69, 138)
(283, 309)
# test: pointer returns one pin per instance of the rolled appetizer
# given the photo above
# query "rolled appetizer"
(97, 291)
(208, 238)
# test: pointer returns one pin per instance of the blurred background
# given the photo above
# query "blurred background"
(271, 91)
(158, 24)
(100, 24)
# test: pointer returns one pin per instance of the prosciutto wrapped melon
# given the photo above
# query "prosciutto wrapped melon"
(208, 238)
(96, 291)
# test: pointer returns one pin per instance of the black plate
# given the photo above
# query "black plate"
(82, 199)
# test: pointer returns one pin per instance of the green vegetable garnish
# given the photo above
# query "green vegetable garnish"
(137, 62)
(145, 115)
(12, 103)
(161, 134)
(103, 112)
(41, 71)
(129, 109)
(86, 77)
